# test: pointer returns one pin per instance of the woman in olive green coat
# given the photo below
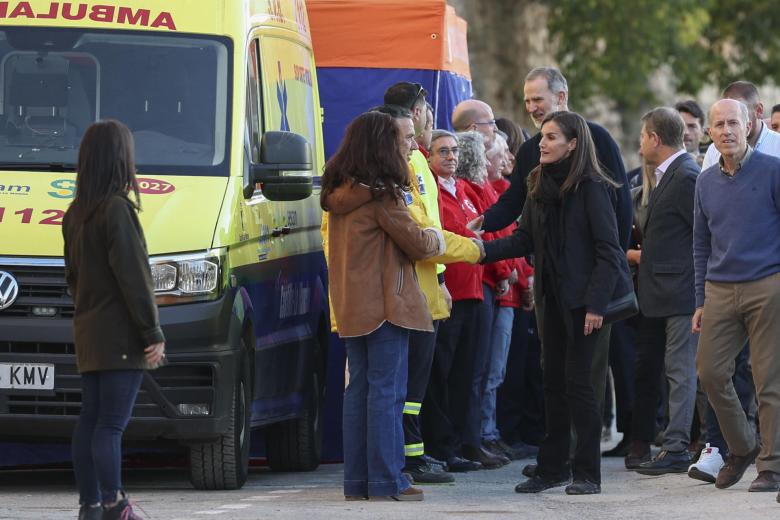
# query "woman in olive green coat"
(116, 325)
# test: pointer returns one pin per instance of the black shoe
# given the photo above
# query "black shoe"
(666, 462)
(537, 484)
(520, 450)
(487, 459)
(424, 474)
(91, 512)
(583, 487)
(638, 453)
(434, 463)
(620, 449)
(122, 510)
(459, 465)
(529, 470)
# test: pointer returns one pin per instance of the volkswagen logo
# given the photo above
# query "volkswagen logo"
(9, 290)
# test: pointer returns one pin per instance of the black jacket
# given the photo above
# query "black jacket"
(108, 273)
(593, 267)
(510, 205)
(666, 281)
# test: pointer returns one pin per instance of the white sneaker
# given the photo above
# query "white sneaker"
(708, 465)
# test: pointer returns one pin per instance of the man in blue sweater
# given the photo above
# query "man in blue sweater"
(737, 273)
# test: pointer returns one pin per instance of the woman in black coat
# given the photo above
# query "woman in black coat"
(568, 223)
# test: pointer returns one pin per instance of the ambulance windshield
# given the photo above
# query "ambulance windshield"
(172, 91)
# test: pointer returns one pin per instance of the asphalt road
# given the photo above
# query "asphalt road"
(166, 494)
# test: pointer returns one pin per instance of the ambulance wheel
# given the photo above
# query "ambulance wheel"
(295, 445)
(224, 463)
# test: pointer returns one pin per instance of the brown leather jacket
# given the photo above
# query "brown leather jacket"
(372, 246)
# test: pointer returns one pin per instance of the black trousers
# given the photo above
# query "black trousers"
(569, 399)
(445, 408)
(421, 349)
(650, 351)
(621, 361)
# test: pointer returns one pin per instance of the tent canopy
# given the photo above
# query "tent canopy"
(361, 47)
(389, 34)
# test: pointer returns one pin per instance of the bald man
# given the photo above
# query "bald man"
(475, 115)
(737, 280)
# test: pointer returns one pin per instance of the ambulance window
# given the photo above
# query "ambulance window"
(288, 95)
(253, 123)
(172, 90)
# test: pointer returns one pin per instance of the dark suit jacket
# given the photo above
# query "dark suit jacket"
(510, 205)
(593, 267)
(666, 281)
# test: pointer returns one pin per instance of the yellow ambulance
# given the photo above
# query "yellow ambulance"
(221, 97)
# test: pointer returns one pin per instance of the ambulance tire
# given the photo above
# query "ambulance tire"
(224, 463)
(295, 445)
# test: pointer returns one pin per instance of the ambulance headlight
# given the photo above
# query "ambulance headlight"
(186, 278)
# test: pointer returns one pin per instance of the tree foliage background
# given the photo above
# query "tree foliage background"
(615, 53)
(613, 47)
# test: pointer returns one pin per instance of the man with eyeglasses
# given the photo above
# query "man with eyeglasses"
(475, 115)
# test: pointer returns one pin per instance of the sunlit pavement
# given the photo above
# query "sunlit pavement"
(166, 494)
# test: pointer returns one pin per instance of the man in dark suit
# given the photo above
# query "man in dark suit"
(546, 90)
(666, 296)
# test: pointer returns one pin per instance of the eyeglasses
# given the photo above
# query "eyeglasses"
(420, 90)
(491, 122)
(444, 152)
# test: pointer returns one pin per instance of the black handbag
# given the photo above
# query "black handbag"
(621, 308)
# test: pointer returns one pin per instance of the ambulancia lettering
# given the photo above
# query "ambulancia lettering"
(96, 13)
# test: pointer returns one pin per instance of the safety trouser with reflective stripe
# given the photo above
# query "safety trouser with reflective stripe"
(421, 348)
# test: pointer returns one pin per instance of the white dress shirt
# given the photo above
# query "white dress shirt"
(659, 172)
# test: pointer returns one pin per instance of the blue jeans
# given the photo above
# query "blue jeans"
(107, 399)
(373, 407)
(499, 350)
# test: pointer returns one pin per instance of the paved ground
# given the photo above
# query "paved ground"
(166, 495)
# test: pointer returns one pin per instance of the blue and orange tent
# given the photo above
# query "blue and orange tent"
(361, 47)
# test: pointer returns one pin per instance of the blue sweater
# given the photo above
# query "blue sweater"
(736, 224)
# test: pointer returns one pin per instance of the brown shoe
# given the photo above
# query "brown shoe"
(638, 453)
(734, 468)
(411, 494)
(766, 481)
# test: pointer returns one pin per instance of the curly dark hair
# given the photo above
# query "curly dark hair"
(370, 154)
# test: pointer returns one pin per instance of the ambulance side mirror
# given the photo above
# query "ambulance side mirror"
(282, 152)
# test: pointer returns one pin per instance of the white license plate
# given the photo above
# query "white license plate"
(26, 376)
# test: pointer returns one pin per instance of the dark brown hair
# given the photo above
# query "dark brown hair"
(106, 167)
(370, 154)
(584, 163)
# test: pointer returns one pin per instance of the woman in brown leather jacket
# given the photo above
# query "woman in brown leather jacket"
(372, 245)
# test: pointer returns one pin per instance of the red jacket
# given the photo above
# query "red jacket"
(514, 297)
(464, 281)
(486, 196)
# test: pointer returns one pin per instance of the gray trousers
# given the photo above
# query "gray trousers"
(665, 344)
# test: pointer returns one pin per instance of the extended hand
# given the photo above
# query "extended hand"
(592, 322)
(481, 247)
(475, 226)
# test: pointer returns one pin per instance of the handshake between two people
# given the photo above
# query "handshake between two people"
(475, 226)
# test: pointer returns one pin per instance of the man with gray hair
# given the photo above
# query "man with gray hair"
(666, 296)
(737, 273)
